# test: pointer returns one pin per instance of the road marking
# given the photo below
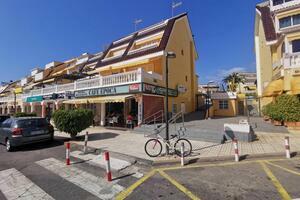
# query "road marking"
(283, 168)
(283, 193)
(219, 164)
(98, 160)
(14, 185)
(178, 185)
(130, 189)
(95, 185)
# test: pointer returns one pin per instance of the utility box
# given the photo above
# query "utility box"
(242, 132)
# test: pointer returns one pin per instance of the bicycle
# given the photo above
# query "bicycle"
(153, 147)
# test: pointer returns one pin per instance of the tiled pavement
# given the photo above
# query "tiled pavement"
(132, 144)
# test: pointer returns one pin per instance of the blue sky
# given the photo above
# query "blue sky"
(34, 32)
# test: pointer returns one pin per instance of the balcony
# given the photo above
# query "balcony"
(130, 77)
(286, 4)
(291, 60)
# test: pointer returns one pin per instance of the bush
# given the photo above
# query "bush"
(289, 107)
(73, 121)
(23, 114)
(266, 110)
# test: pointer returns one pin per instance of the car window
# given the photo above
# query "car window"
(7, 123)
(29, 123)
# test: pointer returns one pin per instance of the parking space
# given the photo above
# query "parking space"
(257, 179)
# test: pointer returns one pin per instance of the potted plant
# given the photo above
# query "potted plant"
(275, 114)
(266, 112)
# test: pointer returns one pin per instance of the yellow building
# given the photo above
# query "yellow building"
(277, 48)
(127, 77)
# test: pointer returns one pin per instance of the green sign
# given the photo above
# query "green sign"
(34, 99)
(153, 89)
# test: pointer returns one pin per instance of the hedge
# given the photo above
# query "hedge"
(73, 121)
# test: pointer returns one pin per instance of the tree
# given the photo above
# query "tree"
(233, 80)
(73, 121)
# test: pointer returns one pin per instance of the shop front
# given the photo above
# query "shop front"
(45, 105)
(123, 105)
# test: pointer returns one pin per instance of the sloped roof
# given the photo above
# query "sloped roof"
(268, 23)
(130, 39)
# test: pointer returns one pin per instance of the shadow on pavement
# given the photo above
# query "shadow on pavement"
(42, 145)
(98, 136)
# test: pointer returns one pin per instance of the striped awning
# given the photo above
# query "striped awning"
(109, 99)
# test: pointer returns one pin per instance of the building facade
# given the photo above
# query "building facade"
(126, 78)
(277, 48)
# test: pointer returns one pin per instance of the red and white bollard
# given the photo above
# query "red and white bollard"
(287, 147)
(236, 150)
(182, 154)
(108, 172)
(85, 142)
(68, 146)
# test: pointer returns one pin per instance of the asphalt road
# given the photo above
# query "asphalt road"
(254, 180)
(24, 175)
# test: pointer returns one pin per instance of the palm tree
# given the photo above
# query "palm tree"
(233, 80)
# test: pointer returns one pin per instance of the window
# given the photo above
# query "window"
(278, 2)
(296, 46)
(223, 104)
(296, 19)
(285, 22)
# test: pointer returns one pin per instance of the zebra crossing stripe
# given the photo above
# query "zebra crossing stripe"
(94, 185)
(14, 185)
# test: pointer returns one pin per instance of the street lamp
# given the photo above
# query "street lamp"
(208, 98)
(169, 55)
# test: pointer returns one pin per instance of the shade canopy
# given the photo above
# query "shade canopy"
(274, 88)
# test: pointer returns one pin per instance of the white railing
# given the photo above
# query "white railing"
(292, 60)
(288, 4)
(130, 77)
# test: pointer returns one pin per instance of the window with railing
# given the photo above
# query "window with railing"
(296, 46)
(289, 21)
(278, 2)
(146, 43)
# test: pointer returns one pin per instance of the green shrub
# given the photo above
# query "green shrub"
(73, 121)
(289, 107)
(23, 114)
(267, 109)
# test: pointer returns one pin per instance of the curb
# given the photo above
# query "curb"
(131, 159)
(223, 158)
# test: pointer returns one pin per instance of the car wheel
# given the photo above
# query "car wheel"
(8, 146)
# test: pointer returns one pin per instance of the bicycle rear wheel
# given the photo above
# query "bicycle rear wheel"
(187, 147)
(153, 147)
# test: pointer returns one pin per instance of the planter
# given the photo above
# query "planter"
(276, 123)
(290, 124)
(266, 118)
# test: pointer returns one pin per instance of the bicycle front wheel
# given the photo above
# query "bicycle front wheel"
(153, 147)
(187, 147)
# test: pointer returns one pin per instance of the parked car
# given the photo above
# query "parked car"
(3, 118)
(25, 130)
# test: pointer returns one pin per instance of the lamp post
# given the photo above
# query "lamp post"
(208, 98)
(169, 55)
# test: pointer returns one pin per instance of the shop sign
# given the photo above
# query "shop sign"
(34, 99)
(153, 89)
(134, 87)
(102, 91)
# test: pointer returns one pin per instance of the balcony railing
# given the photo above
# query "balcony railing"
(285, 5)
(130, 77)
(291, 60)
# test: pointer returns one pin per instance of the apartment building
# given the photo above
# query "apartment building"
(277, 48)
(128, 77)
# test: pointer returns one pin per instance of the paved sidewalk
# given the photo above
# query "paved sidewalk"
(132, 144)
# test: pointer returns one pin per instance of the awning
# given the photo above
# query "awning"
(109, 99)
(274, 88)
(295, 85)
(76, 101)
